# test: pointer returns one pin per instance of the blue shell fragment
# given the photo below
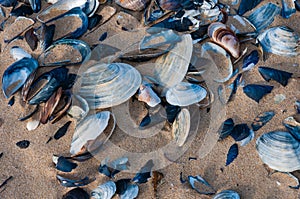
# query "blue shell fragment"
(232, 154)
(246, 5)
(263, 16)
(279, 76)
(202, 187)
(112, 168)
(76, 193)
(288, 8)
(144, 174)
(256, 91)
(240, 132)
(172, 112)
(250, 60)
(65, 165)
(62, 130)
(262, 119)
(145, 121)
(226, 128)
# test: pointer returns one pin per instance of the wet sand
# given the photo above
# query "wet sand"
(34, 175)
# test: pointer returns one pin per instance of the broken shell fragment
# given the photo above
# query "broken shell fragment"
(89, 129)
(279, 150)
(262, 119)
(279, 76)
(200, 185)
(224, 37)
(185, 94)
(62, 164)
(66, 182)
(227, 194)
(107, 85)
(147, 95)
(104, 191)
(181, 127)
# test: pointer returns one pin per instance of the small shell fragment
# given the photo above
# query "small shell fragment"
(227, 194)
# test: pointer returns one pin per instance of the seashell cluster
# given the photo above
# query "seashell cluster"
(225, 37)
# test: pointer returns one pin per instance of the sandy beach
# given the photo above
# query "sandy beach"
(34, 174)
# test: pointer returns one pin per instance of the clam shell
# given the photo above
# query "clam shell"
(107, 85)
(181, 127)
(225, 37)
(135, 5)
(263, 16)
(227, 194)
(89, 129)
(171, 68)
(104, 191)
(279, 150)
(280, 41)
(59, 7)
(185, 94)
(225, 69)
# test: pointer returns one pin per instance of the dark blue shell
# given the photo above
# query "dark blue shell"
(250, 60)
(262, 119)
(240, 132)
(226, 128)
(66, 182)
(23, 10)
(56, 78)
(172, 112)
(232, 154)
(246, 5)
(16, 75)
(76, 193)
(279, 76)
(145, 121)
(62, 130)
(8, 3)
(65, 165)
(256, 91)
(81, 15)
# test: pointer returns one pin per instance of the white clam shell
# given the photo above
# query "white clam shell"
(171, 68)
(89, 129)
(107, 85)
(185, 94)
(147, 95)
(104, 191)
(279, 150)
(225, 67)
(32, 124)
(227, 194)
(280, 41)
(181, 127)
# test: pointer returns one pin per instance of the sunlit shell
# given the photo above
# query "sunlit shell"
(19, 53)
(181, 127)
(279, 150)
(185, 94)
(107, 85)
(171, 68)
(135, 5)
(225, 37)
(224, 64)
(280, 41)
(89, 129)
(104, 191)
(227, 194)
